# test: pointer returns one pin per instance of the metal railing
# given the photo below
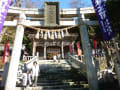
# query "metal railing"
(27, 58)
(30, 60)
(75, 61)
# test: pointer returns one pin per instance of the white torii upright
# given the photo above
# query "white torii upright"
(13, 66)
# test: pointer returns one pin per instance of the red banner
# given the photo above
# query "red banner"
(79, 52)
(6, 53)
(95, 47)
(70, 48)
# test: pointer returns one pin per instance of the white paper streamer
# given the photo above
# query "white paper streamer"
(45, 35)
(59, 35)
(37, 35)
(56, 36)
(52, 36)
(41, 34)
(62, 33)
(66, 32)
(48, 34)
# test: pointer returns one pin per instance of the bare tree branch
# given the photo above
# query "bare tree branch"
(29, 3)
(79, 3)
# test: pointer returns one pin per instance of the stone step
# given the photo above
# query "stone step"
(61, 83)
(59, 73)
(62, 78)
(62, 72)
(56, 77)
(65, 83)
(59, 87)
(53, 66)
(54, 70)
(48, 81)
(59, 80)
(39, 88)
(51, 84)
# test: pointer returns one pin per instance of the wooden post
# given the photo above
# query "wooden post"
(91, 72)
(62, 49)
(34, 48)
(14, 62)
(44, 50)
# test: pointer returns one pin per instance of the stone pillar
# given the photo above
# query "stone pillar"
(4, 76)
(14, 62)
(34, 48)
(91, 72)
(45, 50)
(62, 49)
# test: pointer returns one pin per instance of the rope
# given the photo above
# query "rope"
(46, 30)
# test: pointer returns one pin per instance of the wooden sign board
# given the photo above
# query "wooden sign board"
(51, 13)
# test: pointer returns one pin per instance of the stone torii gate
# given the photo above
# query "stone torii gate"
(13, 66)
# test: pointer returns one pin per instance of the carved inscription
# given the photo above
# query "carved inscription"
(51, 13)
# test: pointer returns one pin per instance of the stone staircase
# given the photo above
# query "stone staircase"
(59, 76)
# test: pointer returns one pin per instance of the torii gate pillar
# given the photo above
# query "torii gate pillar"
(13, 66)
(91, 72)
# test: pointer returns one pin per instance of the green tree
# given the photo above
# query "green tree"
(113, 7)
(28, 43)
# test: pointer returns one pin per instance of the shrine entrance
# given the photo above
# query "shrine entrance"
(41, 36)
(53, 51)
(52, 41)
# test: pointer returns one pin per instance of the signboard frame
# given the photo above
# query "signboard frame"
(51, 13)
